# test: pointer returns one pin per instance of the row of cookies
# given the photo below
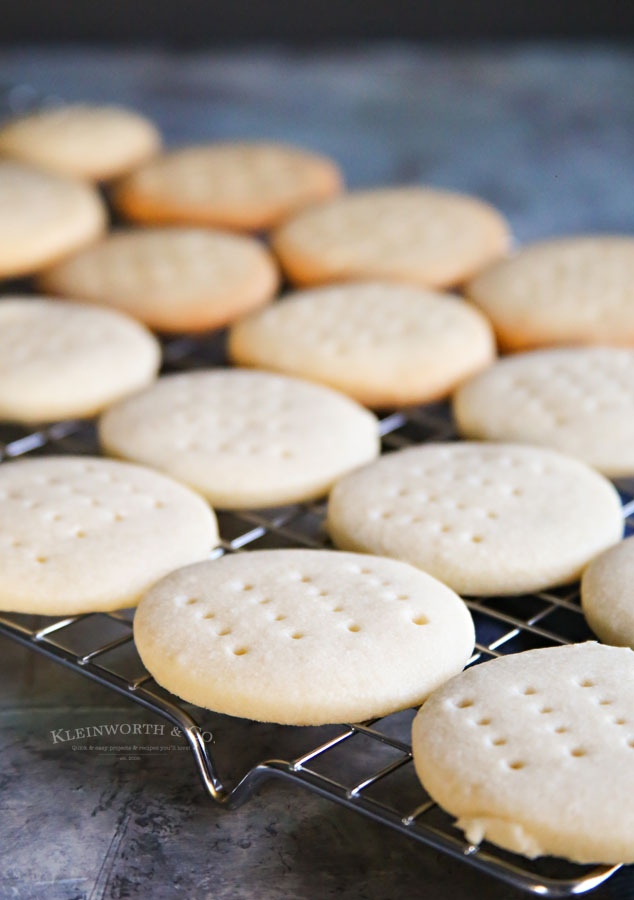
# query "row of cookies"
(256, 634)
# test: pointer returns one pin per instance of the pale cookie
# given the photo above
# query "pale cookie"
(429, 237)
(302, 637)
(91, 142)
(43, 217)
(60, 360)
(607, 595)
(384, 344)
(243, 438)
(173, 279)
(577, 290)
(243, 186)
(533, 751)
(81, 534)
(578, 400)
(487, 519)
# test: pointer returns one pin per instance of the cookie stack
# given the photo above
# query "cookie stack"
(204, 237)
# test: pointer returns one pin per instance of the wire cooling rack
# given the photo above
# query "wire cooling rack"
(366, 767)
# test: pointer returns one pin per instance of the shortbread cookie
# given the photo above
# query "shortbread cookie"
(533, 751)
(486, 519)
(173, 279)
(43, 217)
(302, 637)
(91, 142)
(60, 359)
(607, 595)
(429, 237)
(579, 400)
(577, 290)
(384, 344)
(80, 534)
(243, 438)
(243, 186)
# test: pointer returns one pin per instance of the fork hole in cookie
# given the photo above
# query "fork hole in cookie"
(561, 729)
(280, 618)
(517, 764)
(545, 710)
(529, 690)
(191, 601)
(485, 721)
(354, 628)
(224, 632)
(420, 620)
(464, 704)
(586, 683)
(297, 635)
(499, 742)
(240, 651)
(579, 751)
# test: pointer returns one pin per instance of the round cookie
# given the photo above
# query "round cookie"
(607, 595)
(487, 519)
(81, 534)
(302, 637)
(43, 217)
(576, 290)
(384, 344)
(533, 751)
(243, 438)
(242, 186)
(579, 400)
(90, 142)
(173, 279)
(428, 237)
(60, 360)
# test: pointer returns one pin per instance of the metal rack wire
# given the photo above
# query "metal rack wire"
(366, 767)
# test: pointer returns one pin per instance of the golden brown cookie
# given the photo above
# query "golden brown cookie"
(421, 235)
(90, 142)
(173, 279)
(43, 217)
(241, 186)
(575, 290)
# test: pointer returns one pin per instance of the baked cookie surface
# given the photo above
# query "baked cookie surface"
(81, 534)
(242, 186)
(579, 400)
(43, 217)
(607, 595)
(428, 237)
(243, 438)
(383, 344)
(302, 637)
(89, 142)
(576, 290)
(533, 751)
(172, 279)
(61, 360)
(485, 519)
